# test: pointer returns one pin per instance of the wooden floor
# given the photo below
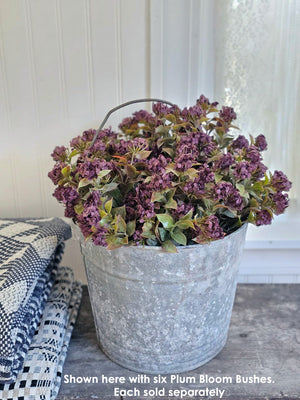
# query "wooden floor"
(263, 343)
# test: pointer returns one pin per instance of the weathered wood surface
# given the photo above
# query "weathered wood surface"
(264, 340)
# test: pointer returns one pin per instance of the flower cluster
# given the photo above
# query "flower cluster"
(168, 178)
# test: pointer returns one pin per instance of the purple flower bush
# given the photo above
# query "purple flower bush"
(168, 178)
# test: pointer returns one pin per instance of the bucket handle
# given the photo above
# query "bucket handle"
(124, 105)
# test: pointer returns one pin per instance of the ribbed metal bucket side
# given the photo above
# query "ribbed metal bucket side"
(158, 312)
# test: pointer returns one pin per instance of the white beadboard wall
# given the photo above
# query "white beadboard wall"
(65, 63)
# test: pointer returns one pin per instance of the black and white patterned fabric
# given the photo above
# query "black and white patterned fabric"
(40, 377)
(30, 251)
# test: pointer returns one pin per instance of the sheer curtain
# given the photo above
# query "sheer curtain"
(257, 47)
(243, 53)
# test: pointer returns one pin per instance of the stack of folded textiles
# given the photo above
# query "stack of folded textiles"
(39, 302)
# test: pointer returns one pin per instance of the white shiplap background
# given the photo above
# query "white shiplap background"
(65, 63)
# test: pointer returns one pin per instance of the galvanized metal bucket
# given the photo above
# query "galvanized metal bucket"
(159, 312)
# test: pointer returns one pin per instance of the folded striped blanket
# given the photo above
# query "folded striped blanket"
(40, 377)
(30, 251)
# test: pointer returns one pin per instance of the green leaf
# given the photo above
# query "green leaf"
(103, 173)
(169, 151)
(178, 236)
(171, 168)
(131, 171)
(109, 187)
(252, 193)
(207, 203)
(119, 211)
(171, 204)
(169, 247)
(73, 153)
(229, 213)
(84, 182)
(166, 220)
(188, 215)
(66, 171)
(218, 177)
(251, 217)
(254, 203)
(113, 242)
(171, 118)
(105, 220)
(151, 242)
(148, 179)
(147, 231)
(108, 206)
(78, 208)
(203, 119)
(121, 224)
(142, 155)
(192, 173)
(185, 224)
(258, 187)
(163, 234)
(162, 130)
(242, 190)
(158, 196)
(130, 229)
(116, 194)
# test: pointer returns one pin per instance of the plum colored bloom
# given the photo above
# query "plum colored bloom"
(281, 201)
(140, 143)
(253, 155)
(76, 142)
(137, 235)
(59, 153)
(240, 142)
(242, 170)
(206, 145)
(69, 211)
(263, 218)
(280, 181)
(259, 170)
(158, 165)
(90, 169)
(144, 116)
(107, 134)
(88, 135)
(90, 217)
(226, 193)
(65, 194)
(209, 228)
(138, 203)
(68, 196)
(99, 145)
(261, 143)
(160, 182)
(196, 187)
(99, 237)
(183, 162)
(203, 100)
(227, 114)
(181, 210)
(121, 148)
(55, 175)
(192, 112)
(162, 110)
(191, 138)
(224, 162)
